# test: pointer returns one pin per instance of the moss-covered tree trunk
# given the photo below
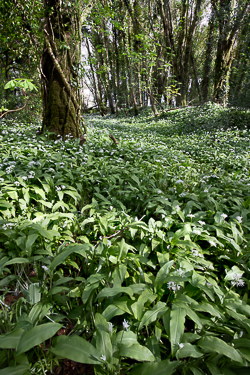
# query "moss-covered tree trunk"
(60, 66)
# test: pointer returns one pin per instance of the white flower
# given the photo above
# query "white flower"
(205, 191)
(63, 187)
(191, 215)
(159, 191)
(239, 219)
(110, 326)
(125, 325)
(179, 182)
(17, 183)
(179, 272)
(177, 208)
(103, 357)
(196, 231)
(173, 286)
(196, 253)
(201, 222)
(45, 268)
(212, 243)
(224, 216)
(58, 188)
(180, 345)
(237, 280)
(24, 177)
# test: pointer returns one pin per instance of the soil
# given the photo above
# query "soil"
(73, 368)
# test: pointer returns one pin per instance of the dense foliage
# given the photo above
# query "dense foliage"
(133, 258)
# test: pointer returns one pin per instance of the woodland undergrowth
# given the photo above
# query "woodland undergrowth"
(133, 257)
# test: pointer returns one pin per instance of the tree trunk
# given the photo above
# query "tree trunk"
(60, 63)
(208, 58)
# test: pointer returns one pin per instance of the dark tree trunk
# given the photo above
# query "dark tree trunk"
(60, 62)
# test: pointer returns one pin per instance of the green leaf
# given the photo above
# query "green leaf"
(126, 338)
(10, 340)
(103, 342)
(163, 273)
(39, 191)
(112, 292)
(188, 350)
(10, 85)
(112, 311)
(155, 313)
(15, 370)
(76, 349)
(30, 241)
(60, 258)
(209, 308)
(17, 261)
(216, 345)
(123, 249)
(159, 368)
(45, 203)
(138, 352)
(177, 321)
(36, 336)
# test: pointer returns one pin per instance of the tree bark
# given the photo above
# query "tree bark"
(60, 63)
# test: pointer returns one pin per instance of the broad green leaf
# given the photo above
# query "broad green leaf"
(126, 338)
(36, 336)
(17, 261)
(209, 308)
(76, 349)
(177, 321)
(190, 337)
(10, 85)
(15, 370)
(40, 192)
(112, 311)
(103, 342)
(155, 313)
(192, 315)
(213, 369)
(124, 303)
(138, 306)
(154, 346)
(60, 258)
(163, 273)
(45, 203)
(216, 345)
(49, 234)
(196, 371)
(10, 340)
(188, 350)
(123, 249)
(35, 312)
(138, 352)
(6, 280)
(112, 292)
(34, 293)
(30, 241)
(182, 232)
(159, 368)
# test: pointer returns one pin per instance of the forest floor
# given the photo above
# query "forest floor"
(131, 258)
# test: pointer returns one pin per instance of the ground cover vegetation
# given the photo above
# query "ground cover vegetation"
(133, 257)
(124, 212)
